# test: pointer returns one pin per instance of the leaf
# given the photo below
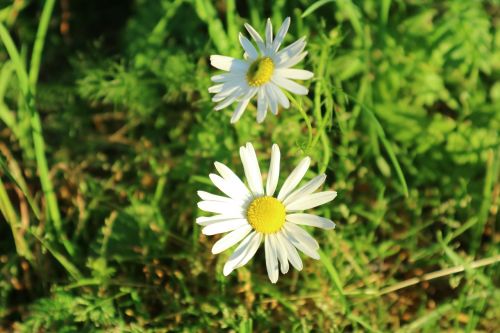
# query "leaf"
(315, 6)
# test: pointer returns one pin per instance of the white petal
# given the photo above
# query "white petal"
(311, 220)
(296, 74)
(271, 259)
(227, 173)
(290, 62)
(230, 176)
(252, 170)
(256, 37)
(215, 89)
(248, 47)
(230, 239)
(254, 162)
(269, 33)
(228, 188)
(238, 254)
(281, 252)
(282, 99)
(301, 242)
(213, 197)
(281, 34)
(301, 235)
(207, 220)
(243, 253)
(224, 77)
(294, 178)
(221, 62)
(229, 89)
(224, 226)
(272, 100)
(311, 201)
(308, 188)
(228, 63)
(290, 51)
(254, 246)
(240, 91)
(224, 95)
(221, 207)
(274, 171)
(291, 252)
(242, 105)
(238, 112)
(261, 106)
(290, 85)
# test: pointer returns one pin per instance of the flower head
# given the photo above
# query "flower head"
(263, 72)
(251, 214)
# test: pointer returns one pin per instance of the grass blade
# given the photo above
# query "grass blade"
(387, 145)
(428, 320)
(36, 58)
(21, 184)
(36, 126)
(22, 75)
(492, 168)
(332, 272)
(12, 219)
(68, 266)
(315, 6)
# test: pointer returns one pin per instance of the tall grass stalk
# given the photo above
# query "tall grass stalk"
(27, 83)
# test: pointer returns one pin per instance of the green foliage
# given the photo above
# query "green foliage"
(113, 84)
(64, 312)
(98, 210)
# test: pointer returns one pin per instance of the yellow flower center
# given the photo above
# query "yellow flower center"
(260, 72)
(266, 215)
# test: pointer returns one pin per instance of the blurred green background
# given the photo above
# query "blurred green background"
(107, 132)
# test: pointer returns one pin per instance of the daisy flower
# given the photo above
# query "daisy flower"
(263, 72)
(251, 214)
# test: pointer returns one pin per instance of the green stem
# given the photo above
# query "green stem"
(159, 189)
(36, 57)
(36, 125)
(16, 59)
(16, 177)
(306, 119)
(28, 88)
(11, 217)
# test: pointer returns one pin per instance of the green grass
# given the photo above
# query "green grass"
(107, 131)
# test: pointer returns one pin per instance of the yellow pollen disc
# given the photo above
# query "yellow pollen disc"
(266, 215)
(260, 72)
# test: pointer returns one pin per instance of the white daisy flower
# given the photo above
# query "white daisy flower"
(252, 214)
(263, 72)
